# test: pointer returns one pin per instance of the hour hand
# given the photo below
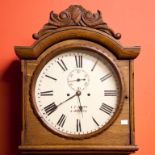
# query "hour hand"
(80, 107)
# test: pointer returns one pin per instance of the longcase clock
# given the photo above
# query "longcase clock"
(77, 89)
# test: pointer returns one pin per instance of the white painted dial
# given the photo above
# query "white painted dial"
(77, 93)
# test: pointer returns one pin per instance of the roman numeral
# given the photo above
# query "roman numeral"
(78, 125)
(110, 93)
(62, 120)
(78, 60)
(94, 66)
(51, 77)
(50, 108)
(46, 93)
(95, 121)
(105, 77)
(62, 65)
(106, 108)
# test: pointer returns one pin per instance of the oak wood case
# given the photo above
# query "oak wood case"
(117, 138)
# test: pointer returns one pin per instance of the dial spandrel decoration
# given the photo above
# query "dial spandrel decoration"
(77, 93)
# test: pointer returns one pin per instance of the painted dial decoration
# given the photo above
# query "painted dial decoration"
(77, 93)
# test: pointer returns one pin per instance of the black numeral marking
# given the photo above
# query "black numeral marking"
(62, 65)
(106, 108)
(105, 77)
(95, 121)
(51, 77)
(46, 93)
(62, 120)
(78, 60)
(50, 108)
(94, 66)
(110, 93)
(78, 125)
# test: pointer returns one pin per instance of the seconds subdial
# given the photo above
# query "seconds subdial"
(78, 79)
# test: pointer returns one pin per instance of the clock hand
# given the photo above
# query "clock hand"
(77, 80)
(80, 107)
(67, 99)
(76, 94)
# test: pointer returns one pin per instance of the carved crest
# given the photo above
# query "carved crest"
(75, 15)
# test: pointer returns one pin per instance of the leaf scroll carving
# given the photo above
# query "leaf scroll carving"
(75, 15)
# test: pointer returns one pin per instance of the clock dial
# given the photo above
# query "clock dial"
(77, 93)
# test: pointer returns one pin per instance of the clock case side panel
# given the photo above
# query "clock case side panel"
(24, 99)
(131, 99)
(27, 69)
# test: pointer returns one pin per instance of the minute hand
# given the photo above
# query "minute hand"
(67, 99)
